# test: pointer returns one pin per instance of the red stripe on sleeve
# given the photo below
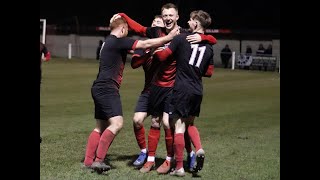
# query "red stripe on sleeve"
(211, 40)
(134, 44)
(164, 54)
(138, 60)
(209, 71)
(135, 55)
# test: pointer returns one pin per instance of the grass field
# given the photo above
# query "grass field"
(239, 124)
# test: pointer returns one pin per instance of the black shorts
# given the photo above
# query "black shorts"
(184, 104)
(142, 104)
(107, 102)
(159, 100)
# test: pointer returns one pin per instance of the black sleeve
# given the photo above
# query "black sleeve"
(175, 42)
(126, 43)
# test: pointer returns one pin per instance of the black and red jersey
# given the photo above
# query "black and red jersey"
(112, 60)
(167, 70)
(193, 62)
(166, 73)
(150, 67)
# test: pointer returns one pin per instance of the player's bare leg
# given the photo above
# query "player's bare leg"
(139, 132)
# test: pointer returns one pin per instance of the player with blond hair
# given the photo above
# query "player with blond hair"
(105, 90)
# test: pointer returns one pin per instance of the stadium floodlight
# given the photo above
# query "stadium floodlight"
(44, 23)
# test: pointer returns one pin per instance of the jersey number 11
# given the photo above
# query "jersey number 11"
(195, 49)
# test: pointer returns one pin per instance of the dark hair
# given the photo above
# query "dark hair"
(202, 16)
(157, 16)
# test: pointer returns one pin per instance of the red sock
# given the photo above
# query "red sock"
(92, 145)
(187, 142)
(105, 141)
(153, 139)
(195, 137)
(169, 142)
(140, 136)
(178, 149)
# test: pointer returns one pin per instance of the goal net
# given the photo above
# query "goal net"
(43, 24)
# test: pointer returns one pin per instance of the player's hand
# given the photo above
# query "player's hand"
(174, 32)
(114, 17)
(194, 38)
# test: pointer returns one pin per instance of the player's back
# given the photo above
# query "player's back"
(192, 63)
(112, 60)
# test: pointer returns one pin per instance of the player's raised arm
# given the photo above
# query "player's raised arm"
(144, 44)
(135, 26)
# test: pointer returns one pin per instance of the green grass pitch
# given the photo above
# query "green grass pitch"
(239, 124)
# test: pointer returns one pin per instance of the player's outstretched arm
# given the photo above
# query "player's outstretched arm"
(196, 38)
(135, 26)
(144, 44)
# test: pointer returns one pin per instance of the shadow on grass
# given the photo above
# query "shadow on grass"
(132, 158)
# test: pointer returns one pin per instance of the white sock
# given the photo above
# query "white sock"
(144, 150)
(151, 158)
(168, 158)
(191, 154)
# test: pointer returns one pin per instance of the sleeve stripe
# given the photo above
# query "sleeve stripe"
(134, 44)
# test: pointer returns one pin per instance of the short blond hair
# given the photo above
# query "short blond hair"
(116, 23)
(168, 6)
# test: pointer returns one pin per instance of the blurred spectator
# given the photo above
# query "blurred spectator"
(268, 51)
(260, 51)
(98, 50)
(225, 55)
(248, 53)
(249, 50)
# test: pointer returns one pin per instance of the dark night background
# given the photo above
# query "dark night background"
(231, 14)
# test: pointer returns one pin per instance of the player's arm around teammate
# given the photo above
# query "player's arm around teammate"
(105, 91)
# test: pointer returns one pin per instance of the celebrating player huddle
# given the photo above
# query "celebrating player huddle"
(174, 61)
